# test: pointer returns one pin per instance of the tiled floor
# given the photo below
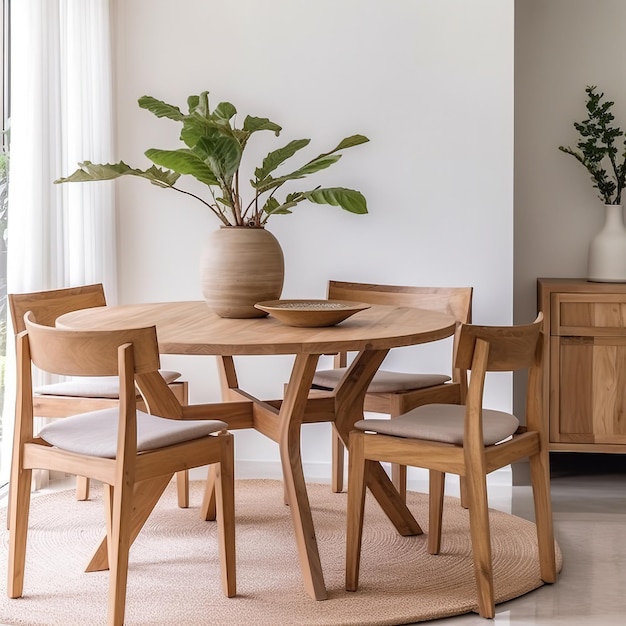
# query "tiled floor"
(590, 527)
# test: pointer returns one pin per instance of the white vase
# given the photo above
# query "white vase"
(607, 250)
(241, 266)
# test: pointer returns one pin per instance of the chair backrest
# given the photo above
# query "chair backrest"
(483, 349)
(455, 301)
(89, 353)
(98, 353)
(510, 347)
(50, 304)
(128, 353)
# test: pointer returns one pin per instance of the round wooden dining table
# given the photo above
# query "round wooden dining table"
(190, 328)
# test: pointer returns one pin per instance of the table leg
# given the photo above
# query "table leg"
(228, 377)
(291, 414)
(349, 400)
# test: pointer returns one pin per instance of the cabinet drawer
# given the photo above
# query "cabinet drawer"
(579, 314)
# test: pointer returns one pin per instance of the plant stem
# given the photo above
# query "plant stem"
(236, 201)
(217, 212)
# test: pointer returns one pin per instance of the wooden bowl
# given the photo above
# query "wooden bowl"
(311, 313)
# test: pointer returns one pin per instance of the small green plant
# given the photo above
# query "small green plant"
(597, 148)
(212, 153)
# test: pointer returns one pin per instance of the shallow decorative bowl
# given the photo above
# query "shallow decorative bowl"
(311, 313)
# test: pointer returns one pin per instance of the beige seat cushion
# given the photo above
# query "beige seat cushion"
(442, 422)
(95, 433)
(94, 386)
(383, 381)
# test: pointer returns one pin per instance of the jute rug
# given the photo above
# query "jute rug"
(174, 576)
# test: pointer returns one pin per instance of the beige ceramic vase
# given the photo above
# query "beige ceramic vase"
(241, 266)
(607, 251)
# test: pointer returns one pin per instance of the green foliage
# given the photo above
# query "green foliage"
(597, 149)
(212, 154)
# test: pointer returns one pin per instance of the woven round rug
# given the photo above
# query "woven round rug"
(174, 572)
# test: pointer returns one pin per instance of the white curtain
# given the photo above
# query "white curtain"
(61, 113)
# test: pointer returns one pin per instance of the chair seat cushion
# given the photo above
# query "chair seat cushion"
(94, 386)
(383, 381)
(442, 422)
(95, 433)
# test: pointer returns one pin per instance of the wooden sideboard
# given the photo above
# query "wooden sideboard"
(585, 364)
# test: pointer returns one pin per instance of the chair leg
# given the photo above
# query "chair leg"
(540, 480)
(225, 499)
(398, 472)
(435, 509)
(108, 511)
(463, 490)
(19, 506)
(82, 488)
(181, 390)
(121, 539)
(8, 518)
(182, 488)
(398, 478)
(481, 542)
(207, 510)
(355, 509)
(337, 461)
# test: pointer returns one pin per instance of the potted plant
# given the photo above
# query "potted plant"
(212, 152)
(598, 152)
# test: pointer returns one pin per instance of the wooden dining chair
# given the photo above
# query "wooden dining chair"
(468, 440)
(395, 393)
(80, 395)
(123, 447)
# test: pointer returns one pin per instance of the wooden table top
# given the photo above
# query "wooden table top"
(191, 328)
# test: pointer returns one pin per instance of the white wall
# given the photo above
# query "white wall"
(430, 82)
(561, 47)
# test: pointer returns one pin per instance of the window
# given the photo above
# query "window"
(4, 186)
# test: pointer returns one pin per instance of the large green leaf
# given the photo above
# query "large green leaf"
(222, 154)
(194, 127)
(224, 111)
(271, 204)
(273, 207)
(277, 157)
(199, 104)
(193, 103)
(252, 124)
(319, 163)
(348, 199)
(184, 162)
(160, 108)
(109, 171)
(349, 142)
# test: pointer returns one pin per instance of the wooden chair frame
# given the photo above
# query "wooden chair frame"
(133, 355)
(47, 306)
(456, 301)
(480, 349)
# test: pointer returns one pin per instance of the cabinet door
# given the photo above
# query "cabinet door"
(588, 369)
(591, 399)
